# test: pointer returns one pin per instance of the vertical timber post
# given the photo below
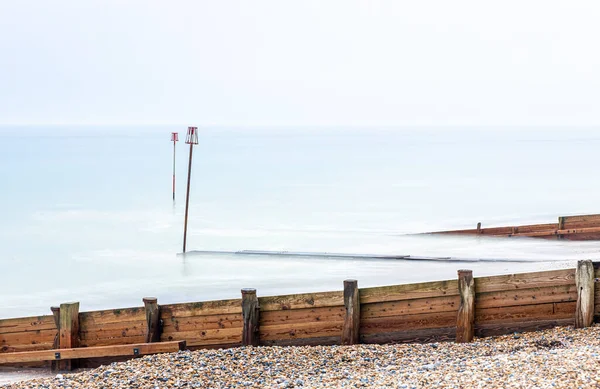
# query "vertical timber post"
(351, 329)
(153, 327)
(250, 315)
(56, 313)
(561, 226)
(69, 332)
(465, 322)
(584, 279)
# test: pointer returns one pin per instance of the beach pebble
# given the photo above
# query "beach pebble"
(558, 358)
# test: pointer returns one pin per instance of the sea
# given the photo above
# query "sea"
(87, 214)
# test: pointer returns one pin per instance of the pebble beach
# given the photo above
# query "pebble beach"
(562, 357)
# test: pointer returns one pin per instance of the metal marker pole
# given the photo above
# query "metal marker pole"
(191, 139)
(173, 170)
(187, 198)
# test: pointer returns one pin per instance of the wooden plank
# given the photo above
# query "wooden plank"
(28, 337)
(408, 322)
(525, 280)
(24, 324)
(351, 328)
(536, 228)
(107, 316)
(408, 291)
(580, 221)
(584, 311)
(494, 329)
(319, 341)
(152, 311)
(102, 333)
(91, 352)
(205, 337)
(428, 335)
(25, 347)
(466, 310)
(307, 315)
(216, 307)
(300, 301)
(301, 330)
(134, 324)
(250, 316)
(507, 298)
(410, 307)
(214, 346)
(518, 313)
(196, 323)
(113, 341)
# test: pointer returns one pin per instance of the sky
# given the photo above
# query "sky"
(324, 62)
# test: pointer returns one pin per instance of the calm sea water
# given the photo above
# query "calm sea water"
(87, 213)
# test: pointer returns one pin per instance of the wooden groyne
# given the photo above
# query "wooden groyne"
(448, 310)
(580, 227)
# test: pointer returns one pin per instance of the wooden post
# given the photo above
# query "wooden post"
(351, 329)
(465, 323)
(584, 279)
(69, 331)
(56, 313)
(561, 226)
(250, 315)
(153, 328)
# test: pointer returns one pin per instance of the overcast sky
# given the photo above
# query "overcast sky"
(302, 62)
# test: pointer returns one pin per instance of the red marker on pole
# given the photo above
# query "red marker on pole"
(191, 139)
(174, 139)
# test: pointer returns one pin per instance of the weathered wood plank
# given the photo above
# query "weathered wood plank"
(307, 315)
(91, 352)
(507, 298)
(408, 291)
(351, 328)
(300, 301)
(410, 307)
(250, 316)
(25, 347)
(113, 333)
(113, 341)
(549, 311)
(97, 318)
(428, 335)
(466, 310)
(320, 341)
(28, 337)
(584, 311)
(204, 337)
(134, 324)
(301, 330)
(581, 221)
(196, 323)
(494, 329)
(24, 324)
(216, 307)
(408, 322)
(525, 280)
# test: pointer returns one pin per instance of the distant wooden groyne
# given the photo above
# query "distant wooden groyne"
(580, 227)
(448, 310)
